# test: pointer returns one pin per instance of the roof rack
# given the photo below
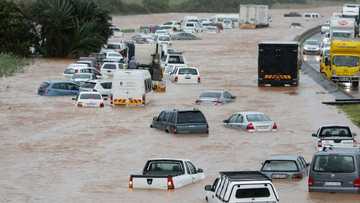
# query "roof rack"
(245, 175)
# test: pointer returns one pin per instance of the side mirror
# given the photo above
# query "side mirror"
(226, 121)
(155, 118)
(200, 170)
(314, 135)
(208, 188)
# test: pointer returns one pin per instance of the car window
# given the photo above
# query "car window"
(162, 116)
(109, 66)
(334, 163)
(44, 85)
(192, 169)
(59, 86)
(88, 85)
(174, 71)
(90, 96)
(71, 86)
(165, 167)
(233, 118)
(191, 71)
(239, 119)
(172, 118)
(227, 95)
(177, 59)
(335, 132)
(252, 193)
(113, 46)
(257, 117)
(190, 117)
(211, 95)
(281, 165)
(106, 85)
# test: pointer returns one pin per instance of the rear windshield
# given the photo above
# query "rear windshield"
(191, 71)
(176, 60)
(90, 96)
(211, 94)
(110, 66)
(257, 118)
(280, 166)
(335, 132)
(164, 38)
(191, 117)
(164, 167)
(88, 85)
(334, 164)
(113, 46)
(252, 193)
(84, 76)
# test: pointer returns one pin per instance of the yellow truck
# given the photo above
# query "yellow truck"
(343, 62)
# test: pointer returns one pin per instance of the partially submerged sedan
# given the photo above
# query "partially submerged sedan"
(215, 97)
(89, 99)
(251, 122)
(285, 167)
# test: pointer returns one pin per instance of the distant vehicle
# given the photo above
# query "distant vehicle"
(351, 11)
(278, 63)
(166, 174)
(220, 18)
(173, 59)
(73, 68)
(58, 88)
(241, 187)
(334, 136)
(292, 14)
(89, 99)
(108, 68)
(83, 77)
(163, 39)
(131, 87)
(309, 16)
(342, 27)
(101, 86)
(311, 47)
(335, 170)
(181, 121)
(185, 75)
(215, 97)
(190, 27)
(251, 122)
(285, 167)
(143, 38)
(184, 36)
(112, 56)
(209, 27)
(227, 24)
(325, 29)
(161, 32)
(254, 15)
(116, 32)
(295, 25)
(174, 24)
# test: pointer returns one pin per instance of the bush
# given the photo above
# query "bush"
(10, 64)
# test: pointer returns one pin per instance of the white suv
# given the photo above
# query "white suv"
(185, 75)
(101, 86)
(334, 136)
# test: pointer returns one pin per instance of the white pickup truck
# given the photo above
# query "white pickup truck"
(166, 174)
(334, 136)
(241, 187)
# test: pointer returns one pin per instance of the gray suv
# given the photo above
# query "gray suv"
(335, 170)
(176, 121)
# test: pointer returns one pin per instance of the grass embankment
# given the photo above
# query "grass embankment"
(353, 111)
(10, 64)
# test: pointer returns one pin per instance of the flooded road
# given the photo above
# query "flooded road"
(52, 151)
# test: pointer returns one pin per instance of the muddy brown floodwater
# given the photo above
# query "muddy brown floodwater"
(52, 151)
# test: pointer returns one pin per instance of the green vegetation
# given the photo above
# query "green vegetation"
(10, 64)
(353, 111)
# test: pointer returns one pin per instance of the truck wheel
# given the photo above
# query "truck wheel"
(355, 84)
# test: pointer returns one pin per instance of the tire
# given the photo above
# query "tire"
(151, 126)
(355, 84)
(167, 130)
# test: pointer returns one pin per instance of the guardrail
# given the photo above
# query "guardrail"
(308, 33)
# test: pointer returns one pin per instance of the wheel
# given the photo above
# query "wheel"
(151, 126)
(167, 130)
(355, 84)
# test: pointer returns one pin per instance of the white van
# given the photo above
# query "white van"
(131, 87)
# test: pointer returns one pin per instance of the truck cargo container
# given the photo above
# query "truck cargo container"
(342, 27)
(253, 16)
(278, 63)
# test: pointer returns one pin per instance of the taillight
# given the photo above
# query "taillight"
(101, 104)
(310, 181)
(274, 126)
(357, 182)
(111, 99)
(131, 182)
(297, 176)
(76, 70)
(176, 79)
(319, 143)
(170, 183)
(199, 79)
(250, 126)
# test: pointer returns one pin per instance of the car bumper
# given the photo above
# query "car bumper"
(192, 131)
(311, 52)
(334, 189)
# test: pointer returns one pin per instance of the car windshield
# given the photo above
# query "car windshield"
(191, 71)
(164, 167)
(113, 46)
(312, 42)
(90, 85)
(349, 61)
(334, 163)
(164, 38)
(114, 55)
(335, 132)
(81, 76)
(110, 66)
(252, 193)
(257, 118)
(280, 165)
(341, 35)
(211, 95)
(191, 117)
(90, 96)
(176, 60)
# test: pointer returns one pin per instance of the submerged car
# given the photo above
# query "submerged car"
(83, 77)
(89, 99)
(181, 121)
(334, 136)
(285, 167)
(184, 36)
(215, 97)
(58, 88)
(251, 122)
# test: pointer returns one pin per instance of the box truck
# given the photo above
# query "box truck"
(253, 16)
(278, 63)
(342, 27)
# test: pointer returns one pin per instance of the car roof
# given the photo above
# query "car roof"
(245, 175)
(58, 81)
(249, 112)
(342, 126)
(168, 159)
(284, 157)
(89, 92)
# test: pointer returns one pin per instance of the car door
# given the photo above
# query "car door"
(211, 197)
(58, 89)
(72, 89)
(159, 122)
(234, 122)
(227, 97)
(231, 120)
(191, 172)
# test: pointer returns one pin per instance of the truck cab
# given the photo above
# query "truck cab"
(241, 187)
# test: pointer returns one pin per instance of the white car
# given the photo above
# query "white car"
(161, 32)
(113, 56)
(174, 24)
(163, 39)
(185, 75)
(83, 77)
(101, 86)
(251, 122)
(191, 27)
(167, 174)
(227, 24)
(73, 68)
(89, 99)
(334, 136)
(108, 68)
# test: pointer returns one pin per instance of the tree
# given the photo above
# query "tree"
(156, 6)
(16, 34)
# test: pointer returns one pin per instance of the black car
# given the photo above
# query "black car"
(181, 121)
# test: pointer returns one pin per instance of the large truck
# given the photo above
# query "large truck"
(278, 63)
(343, 63)
(342, 27)
(253, 16)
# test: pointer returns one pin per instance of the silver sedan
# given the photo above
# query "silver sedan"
(215, 97)
(251, 122)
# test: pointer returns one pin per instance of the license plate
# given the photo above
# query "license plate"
(279, 176)
(332, 183)
(187, 77)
